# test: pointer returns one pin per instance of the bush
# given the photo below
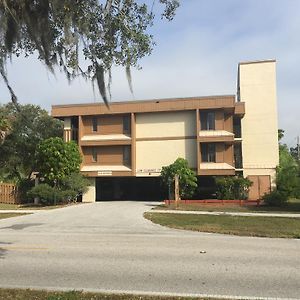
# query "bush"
(232, 188)
(47, 194)
(69, 189)
(276, 198)
(75, 183)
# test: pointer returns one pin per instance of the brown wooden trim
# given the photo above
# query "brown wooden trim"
(166, 138)
(216, 139)
(239, 108)
(80, 134)
(198, 141)
(106, 143)
(133, 144)
(175, 104)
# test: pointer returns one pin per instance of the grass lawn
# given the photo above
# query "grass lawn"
(293, 206)
(18, 294)
(9, 215)
(5, 206)
(275, 227)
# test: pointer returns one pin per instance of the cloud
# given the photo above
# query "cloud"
(196, 54)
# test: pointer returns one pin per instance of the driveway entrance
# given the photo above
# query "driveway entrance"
(129, 188)
(109, 246)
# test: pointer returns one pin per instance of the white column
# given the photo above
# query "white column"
(90, 195)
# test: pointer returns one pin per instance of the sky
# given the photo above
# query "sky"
(195, 55)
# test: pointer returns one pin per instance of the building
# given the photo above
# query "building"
(125, 146)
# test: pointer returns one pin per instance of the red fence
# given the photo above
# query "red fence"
(216, 201)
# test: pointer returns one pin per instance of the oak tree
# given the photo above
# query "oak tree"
(102, 33)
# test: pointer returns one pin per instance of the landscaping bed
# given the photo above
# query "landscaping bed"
(274, 227)
(292, 206)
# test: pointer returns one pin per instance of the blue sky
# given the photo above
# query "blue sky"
(196, 55)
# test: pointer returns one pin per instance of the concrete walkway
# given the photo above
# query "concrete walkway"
(221, 213)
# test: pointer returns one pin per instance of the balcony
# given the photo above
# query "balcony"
(100, 170)
(213, 169)
(105, 139)
(213, 136)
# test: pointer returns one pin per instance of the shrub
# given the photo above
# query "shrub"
(276, 198)
(47, 194)
(69, 189)
(76, 183)
(232, 188)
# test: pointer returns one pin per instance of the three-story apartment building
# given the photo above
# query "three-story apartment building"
(125, 146)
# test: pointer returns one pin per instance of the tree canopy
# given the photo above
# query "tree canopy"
(288, 170)
(57, 159)
(102, 32)
(187, 177)
(28, 126)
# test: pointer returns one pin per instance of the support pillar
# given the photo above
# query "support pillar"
(90, 195)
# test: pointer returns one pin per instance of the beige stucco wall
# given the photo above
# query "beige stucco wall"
(153, 155)
(67, 123)
(166, 124)
(90, 195)
(259, 125)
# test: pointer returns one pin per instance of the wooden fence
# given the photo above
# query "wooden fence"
(9, 193)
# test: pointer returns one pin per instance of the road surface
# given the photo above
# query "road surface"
(109, 246)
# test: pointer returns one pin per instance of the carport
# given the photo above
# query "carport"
(129, 188)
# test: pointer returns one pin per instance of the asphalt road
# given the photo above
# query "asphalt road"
(108, 246)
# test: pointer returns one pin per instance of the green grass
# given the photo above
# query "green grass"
(274, 227)
(293, 206)
(4, 206)
(18, 294)
(9, 215)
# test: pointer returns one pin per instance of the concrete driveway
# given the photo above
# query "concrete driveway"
(109, 246)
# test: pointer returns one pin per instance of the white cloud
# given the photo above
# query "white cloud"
(196, 54)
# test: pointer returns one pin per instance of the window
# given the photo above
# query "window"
(126, 155)
(237, 129)
(207, 120)
(94, 154)
(126, 124)
(238, 157)
(208, 152)
(94, 124)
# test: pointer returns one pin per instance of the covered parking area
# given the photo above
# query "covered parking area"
(129, 188)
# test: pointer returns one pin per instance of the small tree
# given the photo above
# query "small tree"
(287, 173)
(187, 177)
(57, 159)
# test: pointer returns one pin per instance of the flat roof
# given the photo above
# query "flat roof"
(143, 101)
(257, 61)
(154, 105)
